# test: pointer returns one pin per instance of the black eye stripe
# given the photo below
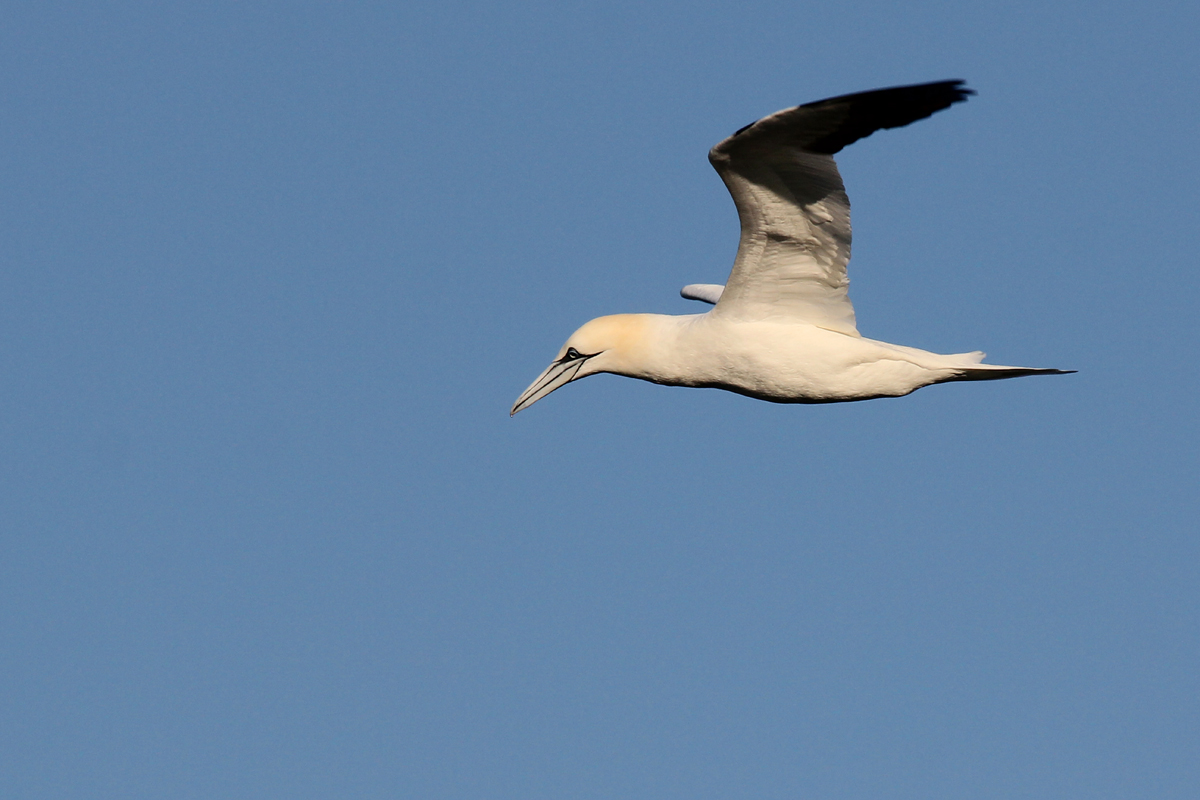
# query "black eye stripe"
(572, 355)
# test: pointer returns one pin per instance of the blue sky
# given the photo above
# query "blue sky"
(273, 275)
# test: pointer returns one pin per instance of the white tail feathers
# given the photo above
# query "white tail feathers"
(974, 357)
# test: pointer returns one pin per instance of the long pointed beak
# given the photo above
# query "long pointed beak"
(557, 374)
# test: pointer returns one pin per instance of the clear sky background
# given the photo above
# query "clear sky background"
(274, 273)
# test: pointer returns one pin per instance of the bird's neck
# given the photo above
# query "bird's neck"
(652, 347)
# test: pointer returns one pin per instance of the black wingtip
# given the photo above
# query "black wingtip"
(744, 128)
(850, 117)
(949, 92)
(891, 107)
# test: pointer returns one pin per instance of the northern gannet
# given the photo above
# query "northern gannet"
(782, 329)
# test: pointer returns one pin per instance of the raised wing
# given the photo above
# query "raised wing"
(791, 260)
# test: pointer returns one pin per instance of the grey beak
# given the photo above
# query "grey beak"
(558, 374)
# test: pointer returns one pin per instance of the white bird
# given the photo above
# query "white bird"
(782, 329)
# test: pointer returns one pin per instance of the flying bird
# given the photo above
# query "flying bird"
(782, 329)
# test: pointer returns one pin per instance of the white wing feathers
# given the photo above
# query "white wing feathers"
(795, 216)
(707, 292)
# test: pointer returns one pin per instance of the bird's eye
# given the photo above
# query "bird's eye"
(572, 354)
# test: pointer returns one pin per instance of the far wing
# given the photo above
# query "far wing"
(707, 292)
(795, 216)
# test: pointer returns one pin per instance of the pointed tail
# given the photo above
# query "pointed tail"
(989, 372)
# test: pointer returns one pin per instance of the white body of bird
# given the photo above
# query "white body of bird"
(783, 328)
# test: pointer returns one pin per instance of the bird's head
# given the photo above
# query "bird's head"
(606, 344)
